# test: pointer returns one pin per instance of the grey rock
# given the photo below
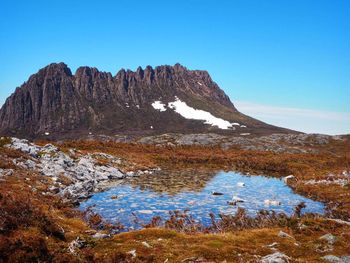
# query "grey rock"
(284, 235)
(331, 239)
(76, 244)
(99, 235)
(83, 173)
(276, 257)
(335, 259)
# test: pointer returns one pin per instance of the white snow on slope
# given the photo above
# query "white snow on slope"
(158, 105)
(190, 113)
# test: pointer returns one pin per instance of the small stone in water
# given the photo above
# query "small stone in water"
(272, 202)
(148, 212)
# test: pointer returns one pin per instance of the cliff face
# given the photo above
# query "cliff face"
(57, 102)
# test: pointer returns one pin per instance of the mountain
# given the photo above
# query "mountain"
(56, 103)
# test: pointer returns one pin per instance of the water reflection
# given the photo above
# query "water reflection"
(152, 195)
(173, 182)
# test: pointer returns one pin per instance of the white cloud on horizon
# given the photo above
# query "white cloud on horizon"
(305, 120)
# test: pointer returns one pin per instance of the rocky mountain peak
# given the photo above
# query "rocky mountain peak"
(55, 69)
(55, 102)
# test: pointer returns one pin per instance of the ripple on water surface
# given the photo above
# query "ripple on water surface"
(155, 195)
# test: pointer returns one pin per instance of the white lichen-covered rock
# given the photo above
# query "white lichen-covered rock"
(284, 235)
(335, 259)
(341, 182)
(84, 173)
(269, 202)
(331, 239)
(287, 178)
(24, 146)
(6, 172)
(276, 257)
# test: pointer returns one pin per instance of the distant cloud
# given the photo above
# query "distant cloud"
(305, 120)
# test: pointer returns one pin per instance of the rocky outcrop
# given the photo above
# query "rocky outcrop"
(54, 102)
(75, 176)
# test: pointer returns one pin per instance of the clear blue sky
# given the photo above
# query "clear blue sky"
(291, 53)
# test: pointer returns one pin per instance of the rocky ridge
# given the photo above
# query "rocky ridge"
(55, 103)
(279, 143)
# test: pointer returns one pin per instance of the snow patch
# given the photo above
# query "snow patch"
(158, 105)
(190, 113)
(199, 83)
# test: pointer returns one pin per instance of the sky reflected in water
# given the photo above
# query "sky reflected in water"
(155, 195)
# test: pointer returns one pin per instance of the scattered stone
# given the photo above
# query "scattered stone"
(276, 257)
(147, 212)
(132, 253)
(339, 221)
(194, 259)
(346, 259)
(272, 202)
(216, 193)
(99, 235)
(289, 177)
(114, 197)
(292, 143)
(331, 239)
(302, 226)
(76, 244)
(284, 235)
(237, 199)
(273, 244)
(335, 259)
(90, 232)
(341, 182)
(6, 172)
(146, 244)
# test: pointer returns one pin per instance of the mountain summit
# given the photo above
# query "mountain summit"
(56, 103)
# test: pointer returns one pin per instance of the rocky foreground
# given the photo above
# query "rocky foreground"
(36, 225)
(75, 175)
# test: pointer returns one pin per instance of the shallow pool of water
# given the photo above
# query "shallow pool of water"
(155, 195)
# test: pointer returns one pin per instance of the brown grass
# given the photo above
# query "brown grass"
(332, 158)
(33, 226)
(38, 227)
